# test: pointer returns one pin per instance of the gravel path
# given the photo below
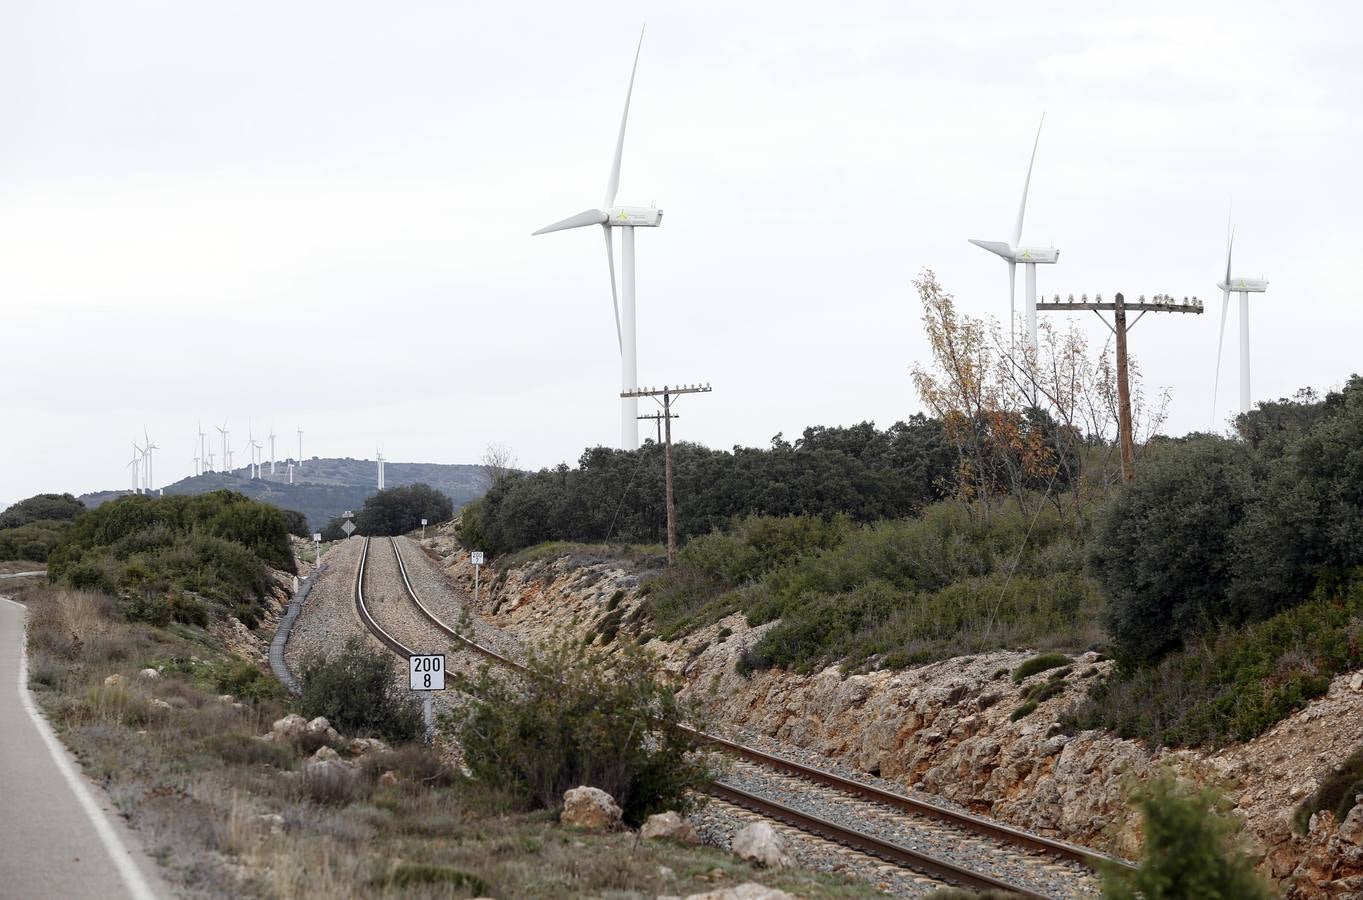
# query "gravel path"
(947, 842)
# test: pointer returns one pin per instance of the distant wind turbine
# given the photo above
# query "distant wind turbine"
(204, 456)
(272, 437)
(151, 445)
(1245, 287)
(136, 468)
(625, 218)
(1014, 253)
(300, 448)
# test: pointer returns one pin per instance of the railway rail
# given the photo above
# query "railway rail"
(859, 840)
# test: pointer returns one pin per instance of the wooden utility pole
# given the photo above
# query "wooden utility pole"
(1119, 328)
(658, 418)
(668, 395)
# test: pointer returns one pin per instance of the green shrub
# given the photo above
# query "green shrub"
(399, 510)
(1022, 711)
(570, 723)
(32, 541)
(1337, 792)
(1188, 851)
(354, 690)
(244, 680)
(1043, 663)
(406, 875)
(1236, 684)
(50, 508)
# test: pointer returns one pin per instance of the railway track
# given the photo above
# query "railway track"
(859, 839)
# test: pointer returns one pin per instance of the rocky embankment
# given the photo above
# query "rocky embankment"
(946, 728)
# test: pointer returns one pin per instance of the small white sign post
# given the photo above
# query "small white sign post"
(426, 673)
(423, 528)
(317, 549)
(477, 559)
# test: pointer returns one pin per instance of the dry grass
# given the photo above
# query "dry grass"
(230, 816)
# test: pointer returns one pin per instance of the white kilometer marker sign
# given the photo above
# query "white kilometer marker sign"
(426, 672)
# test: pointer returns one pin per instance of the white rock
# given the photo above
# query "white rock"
(760, 843)
(1356, 682)
(113, 680)
(158, 703)
(325, 754)
(361, 746)
(226, 698)
(291, 726)
(666, 873)
(748, 890)
(149, 674)
(590, 808)
(669, 824)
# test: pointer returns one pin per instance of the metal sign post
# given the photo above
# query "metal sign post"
(348, 526)
(477, 557)
(426, 673)
(423, 529)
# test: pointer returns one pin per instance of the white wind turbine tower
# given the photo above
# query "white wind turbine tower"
(379, 455)
(1014, 253)
(625, 218)
(226, 450)
(136, 468)
(205, 457)
(300, 448)
(1245, 287)
(150, 481)
(272, 437)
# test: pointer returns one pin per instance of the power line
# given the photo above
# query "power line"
(668, 395)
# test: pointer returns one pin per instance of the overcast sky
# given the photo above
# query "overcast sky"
(319, 213)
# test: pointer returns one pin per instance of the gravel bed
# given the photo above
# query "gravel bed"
(979, 853)
(328, 618)
(451, 604)
(717, 822)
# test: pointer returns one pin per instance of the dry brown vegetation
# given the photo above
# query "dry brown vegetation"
(231, 816)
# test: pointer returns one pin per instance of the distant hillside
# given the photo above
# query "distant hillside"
(327, 487)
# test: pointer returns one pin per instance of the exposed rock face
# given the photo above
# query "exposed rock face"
(291, 727)
(760, 843)
(669, 825)
(590, 808)
(945, 727)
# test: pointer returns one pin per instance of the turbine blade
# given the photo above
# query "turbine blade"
(1230, 245)
(581, 220)
(1022, 208)
(615, 300)
(1221, 340)
(999, 247)
(613, 182)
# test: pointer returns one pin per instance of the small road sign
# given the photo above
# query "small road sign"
(477, 557)
(423, 523)
(317, 537)
(427, 673)
(348, 527)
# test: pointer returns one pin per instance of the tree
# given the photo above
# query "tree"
(1189, 850)
(498, 462)
(42, 508)
(399, 510)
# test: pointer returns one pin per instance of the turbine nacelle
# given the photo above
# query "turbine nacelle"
(615, 216)
(1037, 255)
(1245, 285)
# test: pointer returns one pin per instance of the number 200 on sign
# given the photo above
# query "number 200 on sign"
(427, 673)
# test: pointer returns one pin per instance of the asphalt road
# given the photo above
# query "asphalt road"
(58, 835)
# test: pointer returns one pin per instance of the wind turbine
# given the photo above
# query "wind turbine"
(625, 218)
(1245, 287)
(204, 456)
(151, 445)
(226, 451)
(136, 468)
(379, 455)
(1014, 253)
(272, 437)
(300, 448)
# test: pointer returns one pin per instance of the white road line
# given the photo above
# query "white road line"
(127, 870)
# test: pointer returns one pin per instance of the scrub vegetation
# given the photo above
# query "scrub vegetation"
(31, 528)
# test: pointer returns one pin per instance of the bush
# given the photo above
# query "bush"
(406, 875)
(1188, 850)
(354, 690)
(245, 681)
(42, 508)
(1234, 685)
(570, 723)
(32, 541)
(1337, 792)
(1163, 551)
(296, 523)
(1043, 663)
(399, 510)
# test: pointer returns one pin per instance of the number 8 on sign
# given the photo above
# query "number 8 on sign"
(426, 673)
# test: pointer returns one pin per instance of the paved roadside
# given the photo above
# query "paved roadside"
(61, 838)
